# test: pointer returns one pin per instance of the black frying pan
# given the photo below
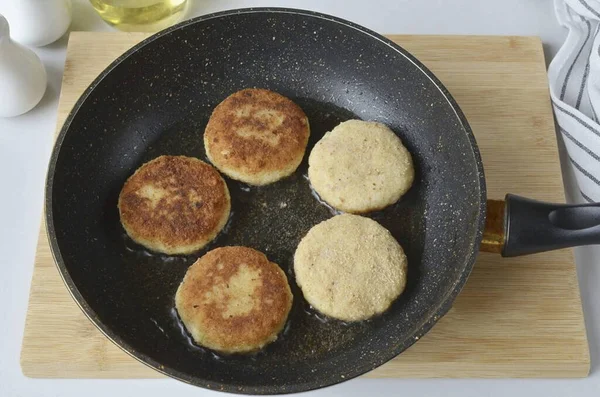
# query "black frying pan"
(157, 98)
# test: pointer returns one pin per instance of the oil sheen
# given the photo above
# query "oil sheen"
(141, 15)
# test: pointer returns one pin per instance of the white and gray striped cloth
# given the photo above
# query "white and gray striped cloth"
(574, 76)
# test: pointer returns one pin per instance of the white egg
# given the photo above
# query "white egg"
(22, 75)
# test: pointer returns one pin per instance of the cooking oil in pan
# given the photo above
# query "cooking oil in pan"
(141, 15)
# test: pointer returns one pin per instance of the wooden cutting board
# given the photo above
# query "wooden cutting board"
(518, 317)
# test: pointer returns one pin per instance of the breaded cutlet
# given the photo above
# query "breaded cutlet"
(234, 300)
(174, 204)
(256, 136)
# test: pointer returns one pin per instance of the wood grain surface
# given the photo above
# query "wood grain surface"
(518, 317)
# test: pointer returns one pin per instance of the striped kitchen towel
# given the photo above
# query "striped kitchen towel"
(574, 76)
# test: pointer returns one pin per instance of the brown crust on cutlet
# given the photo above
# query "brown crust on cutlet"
(233, 299)
(256, 136)
(174, 204)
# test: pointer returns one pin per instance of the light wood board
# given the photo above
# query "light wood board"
(518, 317)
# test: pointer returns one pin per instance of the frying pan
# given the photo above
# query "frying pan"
(156, 99)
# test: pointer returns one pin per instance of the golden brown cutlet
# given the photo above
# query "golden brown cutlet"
(256, 136)
(233, 300)
(174, 204)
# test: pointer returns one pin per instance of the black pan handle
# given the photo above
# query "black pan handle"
(532, 226)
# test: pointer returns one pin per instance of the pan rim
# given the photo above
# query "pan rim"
(366, 365)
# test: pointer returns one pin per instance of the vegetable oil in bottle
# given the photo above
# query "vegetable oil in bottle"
(141, 15)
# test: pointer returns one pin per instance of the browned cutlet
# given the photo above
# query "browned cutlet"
(174, 204)
(233, 300)
(256, 136)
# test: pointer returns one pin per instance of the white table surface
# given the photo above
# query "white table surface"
(25, 145)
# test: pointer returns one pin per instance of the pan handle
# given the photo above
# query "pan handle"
(521, 226)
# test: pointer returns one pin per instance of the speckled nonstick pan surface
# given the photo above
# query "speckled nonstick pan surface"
(157, 98)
